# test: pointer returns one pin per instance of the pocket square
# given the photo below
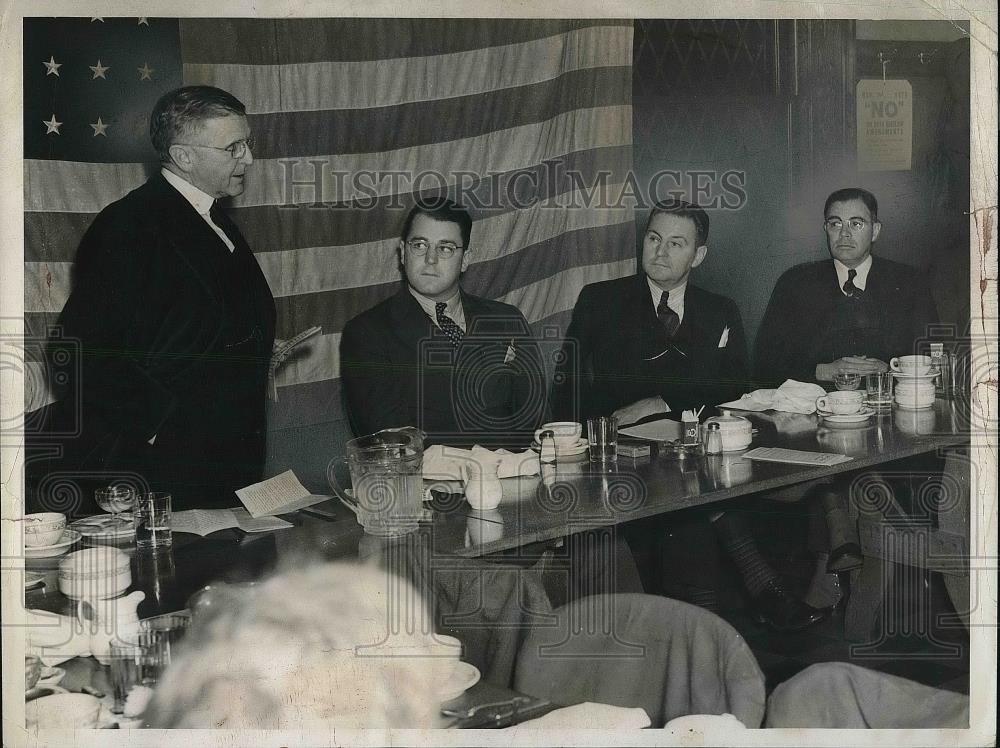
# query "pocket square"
(724, 338)
(511, 353)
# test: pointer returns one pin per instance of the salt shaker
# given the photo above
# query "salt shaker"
(713, 439)
(547, 451)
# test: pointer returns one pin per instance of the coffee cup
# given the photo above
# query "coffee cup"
(841, 403)
(43, 528)
(911, 366)
(564, 433)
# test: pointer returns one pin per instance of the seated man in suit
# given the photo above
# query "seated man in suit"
(655, 343)
(850, 313)
(462, 368)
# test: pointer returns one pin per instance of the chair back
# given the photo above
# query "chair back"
(635, 650)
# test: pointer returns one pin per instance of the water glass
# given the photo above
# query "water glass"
(878, 388)
(137, 662)
(602, 437)
(151, 520)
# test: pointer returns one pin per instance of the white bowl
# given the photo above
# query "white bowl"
(737, 432)
(43, 528)
(62, 711)
(95, 573)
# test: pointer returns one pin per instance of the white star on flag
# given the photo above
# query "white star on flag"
(99, 70)
(145, 72)
(52, 126)
(99, 128)
(96, 18)
(52, 67)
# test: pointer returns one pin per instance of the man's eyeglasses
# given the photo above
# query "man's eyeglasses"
(237, 150)
(834, 225)
(419, 247)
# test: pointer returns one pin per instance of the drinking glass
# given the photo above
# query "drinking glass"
(151, 519)
(844, 380)
(602, 437)
(137, 662)
(878, 388)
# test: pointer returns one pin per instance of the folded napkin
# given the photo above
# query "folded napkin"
(448, 463)
(704, 723)
(590, 716)
(790, 397)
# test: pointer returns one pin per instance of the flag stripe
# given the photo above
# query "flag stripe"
(64, 186)
(291, 41)
(290, 134)
(353, 86)
(54, 237)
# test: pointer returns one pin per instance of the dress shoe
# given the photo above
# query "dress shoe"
(782, 611)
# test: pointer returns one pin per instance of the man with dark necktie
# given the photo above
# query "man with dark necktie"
(851, 313)
(462, 368)
(173, 322)
(654, 343)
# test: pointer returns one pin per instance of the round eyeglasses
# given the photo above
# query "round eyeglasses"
(419, 247)
(834, 225)
(237, 150)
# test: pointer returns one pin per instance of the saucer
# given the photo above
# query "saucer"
(104, 527)
(861, 415)
(913, 407)
(32, 579)
(914, 377)
(577, 449)
(69, 537)
(462, 677)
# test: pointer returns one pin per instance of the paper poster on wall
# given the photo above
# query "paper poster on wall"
(885, 125)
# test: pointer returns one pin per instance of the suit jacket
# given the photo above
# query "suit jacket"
(617, 351)
(175, 333)
(399, 369)
(794, 335)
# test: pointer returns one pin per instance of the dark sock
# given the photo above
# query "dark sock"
(742, 549)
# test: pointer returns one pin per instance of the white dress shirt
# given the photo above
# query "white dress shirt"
(453, 307)
(200, 201)
(860, 280)
(675, 297)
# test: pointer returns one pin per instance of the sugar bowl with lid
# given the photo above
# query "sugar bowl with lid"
(737, 432)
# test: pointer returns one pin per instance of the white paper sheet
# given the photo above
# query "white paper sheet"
(278, 495)
(663, 430)
(206, 521)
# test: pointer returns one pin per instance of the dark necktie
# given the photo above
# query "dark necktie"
(849, 288)
(447, 324)
(220, 219)
(667, 316)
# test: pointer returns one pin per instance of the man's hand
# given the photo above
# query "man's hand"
(638, 410)
(851, 365)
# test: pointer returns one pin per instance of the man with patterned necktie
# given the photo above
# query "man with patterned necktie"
(464, 369)
(852, 313)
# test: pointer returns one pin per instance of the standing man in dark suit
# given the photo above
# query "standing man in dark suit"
(174, 319)
(462, 368)
(654, 343)
(851, 313)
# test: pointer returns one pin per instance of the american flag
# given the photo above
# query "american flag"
(500, 109)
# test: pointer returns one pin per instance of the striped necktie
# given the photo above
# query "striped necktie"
(447, 324)
(667, 316)
(849, 288)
